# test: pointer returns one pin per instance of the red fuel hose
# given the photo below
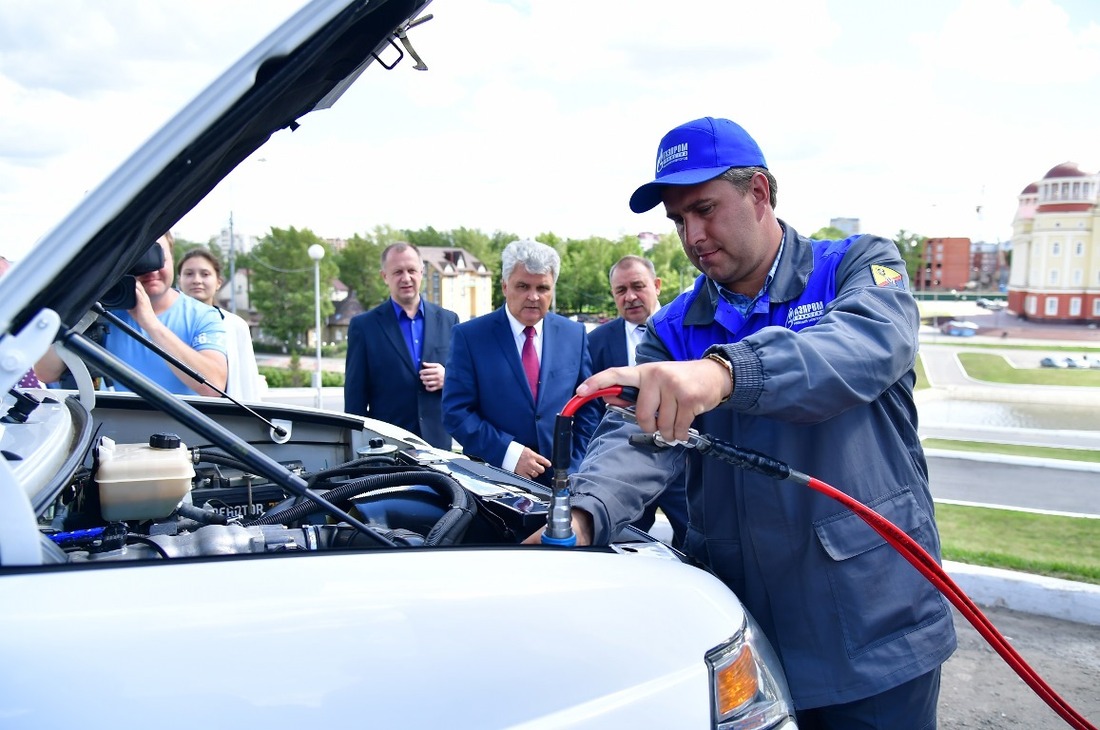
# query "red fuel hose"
(930, 569)
(917, 556)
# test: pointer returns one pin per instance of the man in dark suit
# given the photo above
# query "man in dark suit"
(512, 371)
(636, 290)
(396, 353)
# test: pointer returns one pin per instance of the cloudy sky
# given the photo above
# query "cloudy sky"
(544, 115)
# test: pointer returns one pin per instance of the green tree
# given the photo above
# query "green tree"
(481, 245)
(674, 269)
(911, 246)
(582, 285)
(360, 263)
(429, 237)
(283, 286)
(828, 233)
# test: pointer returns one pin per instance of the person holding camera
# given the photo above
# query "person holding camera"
(185, 328)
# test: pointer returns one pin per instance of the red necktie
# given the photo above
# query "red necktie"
(531, 362)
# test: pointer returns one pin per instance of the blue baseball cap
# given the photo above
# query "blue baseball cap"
(696, 152)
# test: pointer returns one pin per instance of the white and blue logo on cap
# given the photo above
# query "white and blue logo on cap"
(695, 152)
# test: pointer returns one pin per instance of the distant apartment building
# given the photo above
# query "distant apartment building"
(945, 265)
(1055, 272)
(233, 240)
(987, 262)
(849, 226)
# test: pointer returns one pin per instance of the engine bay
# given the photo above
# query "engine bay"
(113, 483)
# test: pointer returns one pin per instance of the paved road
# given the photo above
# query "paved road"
(999, 483)
(979, 690)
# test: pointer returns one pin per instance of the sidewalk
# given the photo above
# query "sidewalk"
(1027, 593)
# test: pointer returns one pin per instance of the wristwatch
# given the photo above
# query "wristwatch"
(729, 368)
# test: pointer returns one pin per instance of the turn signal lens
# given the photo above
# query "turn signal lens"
(735, 681)
(748, 690)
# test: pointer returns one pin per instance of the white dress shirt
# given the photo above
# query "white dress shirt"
(515, 449)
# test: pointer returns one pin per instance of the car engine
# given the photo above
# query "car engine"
(136, 491)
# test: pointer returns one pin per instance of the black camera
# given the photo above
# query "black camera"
(121, 295)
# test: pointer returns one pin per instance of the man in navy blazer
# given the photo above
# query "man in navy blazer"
(396, 353)
(489, 402)
(636, 290)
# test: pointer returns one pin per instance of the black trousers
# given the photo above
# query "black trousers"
(910, 706)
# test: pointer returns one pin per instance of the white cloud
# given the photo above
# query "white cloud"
(544, 115)
(1032, 42)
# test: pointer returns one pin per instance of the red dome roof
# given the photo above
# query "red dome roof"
(1032, 188)
(1066, 169)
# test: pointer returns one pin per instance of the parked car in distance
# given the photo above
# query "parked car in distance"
(993, 305)
(959, 328)
(1053, 362)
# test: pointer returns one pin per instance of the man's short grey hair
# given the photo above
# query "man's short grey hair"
(741, 177)
(633, 259)
(537, 258)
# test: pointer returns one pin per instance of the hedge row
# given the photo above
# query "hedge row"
(339, 349)
(287, 378)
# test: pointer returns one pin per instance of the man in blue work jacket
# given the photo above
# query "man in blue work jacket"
(803, 350)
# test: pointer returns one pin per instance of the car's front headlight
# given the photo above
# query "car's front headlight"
(747, 686)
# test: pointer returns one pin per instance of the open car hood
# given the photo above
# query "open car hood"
(305, 64)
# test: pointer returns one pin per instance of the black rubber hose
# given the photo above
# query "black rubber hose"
(363, 467)
(448, 530)
(358, 468)
(211, 458)
(748, 459)
(200, 515)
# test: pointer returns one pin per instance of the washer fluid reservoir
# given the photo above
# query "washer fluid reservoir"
(143, 481)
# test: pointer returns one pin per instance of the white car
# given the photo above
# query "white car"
(181, 562)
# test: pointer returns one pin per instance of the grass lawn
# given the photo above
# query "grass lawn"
(1059, 547)
(922, 379)
(1075, 349)
(995, 369)
(984, 447)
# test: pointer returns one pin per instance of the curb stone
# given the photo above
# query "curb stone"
(1027, 593)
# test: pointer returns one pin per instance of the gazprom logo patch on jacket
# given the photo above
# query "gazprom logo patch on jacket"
(885, 276)
(675, 153)
(804, 315)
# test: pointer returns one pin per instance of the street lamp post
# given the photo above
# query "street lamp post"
(232, 268)
(317, 252)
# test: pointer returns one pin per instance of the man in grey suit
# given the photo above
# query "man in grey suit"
(396, 353)
(636, 289)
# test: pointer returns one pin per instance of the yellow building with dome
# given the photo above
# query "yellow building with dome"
(1055, 273)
